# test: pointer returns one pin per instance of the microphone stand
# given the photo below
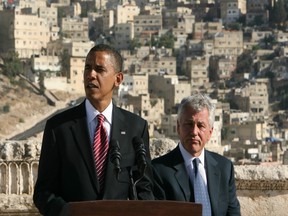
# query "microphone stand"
(133, 190)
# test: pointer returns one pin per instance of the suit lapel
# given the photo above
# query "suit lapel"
(81, 134)
(213, 179)
(118, 132)
(181, 174)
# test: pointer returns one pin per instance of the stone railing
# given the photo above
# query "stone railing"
(261, 189)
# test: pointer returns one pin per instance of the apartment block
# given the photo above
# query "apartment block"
(75, 28)
(231, 10)
(45, 63)
(133, 85)
(49, 14)
(146, 23)
(228, 43)
(171, 88)
(154, 64)
(197, 71)
(253, 131)
(26, 34)
(257, 9)
(108, 21)
(215, 140)
(257, 36)
(123, 34)
(221, 68)
(169, 126)
(126, 12)
(253, 98)
(148, 108)
(206, 30)
(180, 17)
(33, 5)
(78, 52)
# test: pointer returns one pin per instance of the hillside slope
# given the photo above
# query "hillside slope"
(22, 107)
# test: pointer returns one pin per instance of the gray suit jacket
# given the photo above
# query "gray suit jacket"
(172, 181)
(66, 167)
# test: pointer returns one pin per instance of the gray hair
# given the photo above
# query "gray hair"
(198, 102)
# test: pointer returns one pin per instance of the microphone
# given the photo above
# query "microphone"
(115, 156)
(140, 152)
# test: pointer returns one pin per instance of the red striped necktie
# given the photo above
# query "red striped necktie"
(100, 149)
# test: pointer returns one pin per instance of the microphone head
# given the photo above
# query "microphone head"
(139, 146)
(140, 153)
(137, 140)
(114, 150)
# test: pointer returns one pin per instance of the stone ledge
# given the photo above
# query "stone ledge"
(261, 184)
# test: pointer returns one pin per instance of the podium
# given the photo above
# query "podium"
(134, 207)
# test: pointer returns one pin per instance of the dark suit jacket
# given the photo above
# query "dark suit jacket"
(66, 166)
(172, 181)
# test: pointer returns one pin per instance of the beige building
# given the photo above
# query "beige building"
(148, 108)
(253, 98)
(126, 12)
(26, 34)
(49, 14)
(197, 71)
(123, 34)
(146, 23)
(221, 67)
(228, 43)
(171, 88)
(108, 21)
(154, 64)
(169, 126)
(257, 36)
(133, 85)
(78, 52)
(45, 63)
(206, 30)
(75, 29)
(33, 5)
(249, 130)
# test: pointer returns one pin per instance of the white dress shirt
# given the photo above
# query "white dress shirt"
(91, 113)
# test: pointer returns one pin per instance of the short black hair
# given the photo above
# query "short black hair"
(111, 51)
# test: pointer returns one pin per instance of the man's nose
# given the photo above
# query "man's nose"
(194, 129)
(92, 75)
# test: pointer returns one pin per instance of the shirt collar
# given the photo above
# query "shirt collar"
(188, 157)
(91, 112)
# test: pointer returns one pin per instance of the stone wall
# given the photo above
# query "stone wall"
(262, 190)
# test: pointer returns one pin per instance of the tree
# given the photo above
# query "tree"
(64, 63)
(41, 82)
(166, 41)
(245, 63)
(134, 43)
(279, 14)
(12, 65)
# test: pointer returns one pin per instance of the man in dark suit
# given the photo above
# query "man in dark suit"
(67, 170)
(175, 171)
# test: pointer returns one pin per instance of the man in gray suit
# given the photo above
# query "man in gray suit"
(67, 166)
(175, 171)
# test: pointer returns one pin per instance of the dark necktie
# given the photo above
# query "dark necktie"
(200, 190)
(100, 149)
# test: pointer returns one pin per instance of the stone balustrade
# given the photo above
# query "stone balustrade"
(261, 189)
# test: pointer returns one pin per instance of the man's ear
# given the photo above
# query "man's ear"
(119, 79)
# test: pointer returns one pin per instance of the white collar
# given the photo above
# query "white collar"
(91, 112)
(188, 157)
